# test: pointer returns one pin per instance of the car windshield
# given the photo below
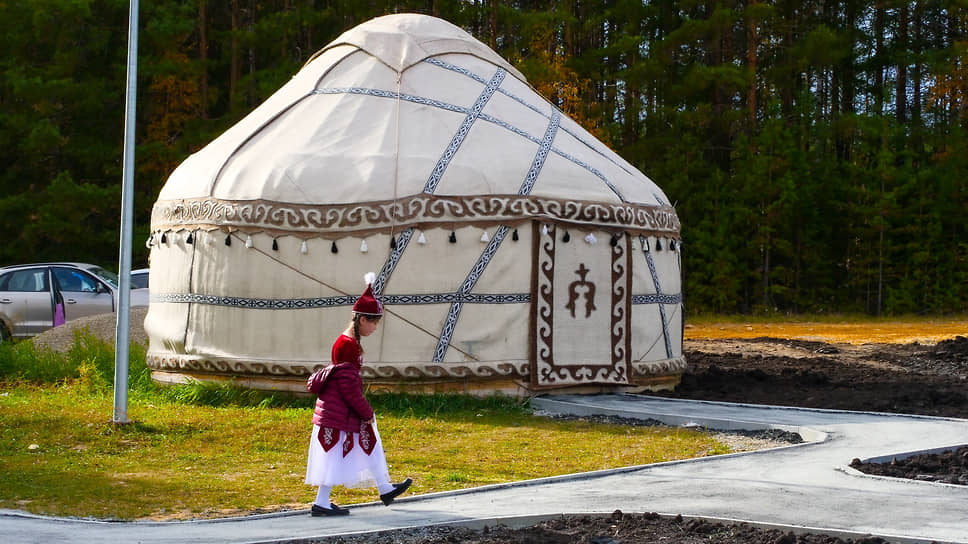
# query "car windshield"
(105, 275)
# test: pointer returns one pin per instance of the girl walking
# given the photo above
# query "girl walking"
(345, 448)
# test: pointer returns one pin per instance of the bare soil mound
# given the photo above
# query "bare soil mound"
(895, 378)
(950, 467)
(618, 528)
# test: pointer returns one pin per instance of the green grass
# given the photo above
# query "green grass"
(204, 451)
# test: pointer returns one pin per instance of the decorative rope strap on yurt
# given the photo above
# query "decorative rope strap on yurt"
(423, 211)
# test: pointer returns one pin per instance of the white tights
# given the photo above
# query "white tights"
(322, 496)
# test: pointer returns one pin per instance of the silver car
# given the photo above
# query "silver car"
(36, 297)
(139, 278)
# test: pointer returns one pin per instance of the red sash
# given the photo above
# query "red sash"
(367, 438)
(329, 437)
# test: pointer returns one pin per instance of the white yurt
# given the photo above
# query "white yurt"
(513, 251)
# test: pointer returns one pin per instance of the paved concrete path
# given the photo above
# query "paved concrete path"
(807, 485)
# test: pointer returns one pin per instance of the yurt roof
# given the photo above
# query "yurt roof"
(407, 120)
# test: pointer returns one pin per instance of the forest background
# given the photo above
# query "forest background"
(816, 150)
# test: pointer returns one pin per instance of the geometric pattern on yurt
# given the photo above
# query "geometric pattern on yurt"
(565, 350)
(474, 275)
(308, 220)
(658, 289)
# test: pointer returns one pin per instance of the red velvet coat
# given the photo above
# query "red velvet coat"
(341, 404)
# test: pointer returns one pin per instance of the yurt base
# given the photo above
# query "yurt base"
(517, 389)
(474, 387)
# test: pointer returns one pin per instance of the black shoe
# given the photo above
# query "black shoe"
(398, 489)
(333, 510)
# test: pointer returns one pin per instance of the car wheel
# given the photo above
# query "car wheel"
(4, 333)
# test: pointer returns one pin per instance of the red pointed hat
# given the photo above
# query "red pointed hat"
(368, 304)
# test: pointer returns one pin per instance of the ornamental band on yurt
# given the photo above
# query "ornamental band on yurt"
(514, 252)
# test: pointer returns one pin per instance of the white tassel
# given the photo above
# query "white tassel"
(304, 249)
(544, 230)
(369, 278)
(421, 239)
(591, 238)
(485, 238)
(248, 241)
(363, 247)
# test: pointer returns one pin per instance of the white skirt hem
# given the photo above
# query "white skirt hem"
(356, 469)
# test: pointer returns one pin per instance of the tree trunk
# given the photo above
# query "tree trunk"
(752, 43)
(845, 74)
(900, 89)
(632, 101)
(849, 74)
(203, 56)
(878, 90)
(251, 94)
(880, 251)
(284, 42)
(880, 271)
(916, 49)
(789, 42)
(797, 268)
(954, 106)
(235, 64)
(492, 24)
(610, 88)
(570, 48)
(309, 29)
(766, 272)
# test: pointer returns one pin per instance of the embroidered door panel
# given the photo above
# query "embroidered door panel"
(581, 308)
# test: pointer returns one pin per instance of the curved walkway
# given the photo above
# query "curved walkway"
(804, 486)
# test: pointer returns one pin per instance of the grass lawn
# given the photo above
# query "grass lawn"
(207, 451)
(830, 328)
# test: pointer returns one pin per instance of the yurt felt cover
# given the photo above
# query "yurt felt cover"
(409, 148)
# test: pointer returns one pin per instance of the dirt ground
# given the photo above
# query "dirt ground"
(911, 378)
(618, 528)
(898, 378)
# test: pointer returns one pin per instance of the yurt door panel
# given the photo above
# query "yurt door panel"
(581, 308)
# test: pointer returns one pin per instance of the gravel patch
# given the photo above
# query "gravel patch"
(737, 440)
(102, 326)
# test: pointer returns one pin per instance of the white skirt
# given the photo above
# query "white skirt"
(357, 469)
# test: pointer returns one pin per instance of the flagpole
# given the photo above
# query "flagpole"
(127, 205)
